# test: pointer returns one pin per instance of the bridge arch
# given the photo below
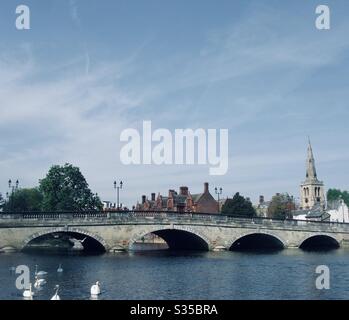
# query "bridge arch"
(92, 240)
(256, 240)
(319, 242)
(177, 238)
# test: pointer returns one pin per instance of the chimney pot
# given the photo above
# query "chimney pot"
(206, 187)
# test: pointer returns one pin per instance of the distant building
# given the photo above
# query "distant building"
(338, 211)
(312, 190)
(316, 213)
(312, 201)
(183, 201)
(111, 206)
(262, 207)
(107, 205)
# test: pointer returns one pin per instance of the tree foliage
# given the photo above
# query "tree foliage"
(281, 207)
(238, 206)
(336, 194)
(23, 200)
(65, 189)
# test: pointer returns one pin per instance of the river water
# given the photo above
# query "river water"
(287, 274)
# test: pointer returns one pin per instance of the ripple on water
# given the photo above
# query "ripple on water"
(288, 274)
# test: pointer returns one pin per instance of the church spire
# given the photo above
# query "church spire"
(312, 190)
(311, 170)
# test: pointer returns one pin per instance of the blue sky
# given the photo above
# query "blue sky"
(89, 69)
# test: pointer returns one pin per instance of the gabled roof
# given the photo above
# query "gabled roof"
(318, 214)
(196, 197)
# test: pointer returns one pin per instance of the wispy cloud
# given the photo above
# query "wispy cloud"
(75, 119)
(73, 6)
(74, 14)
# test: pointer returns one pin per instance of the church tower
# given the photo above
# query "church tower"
(312, 190)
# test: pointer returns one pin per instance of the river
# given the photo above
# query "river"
(287, 274)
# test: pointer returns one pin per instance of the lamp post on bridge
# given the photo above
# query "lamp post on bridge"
(218, 193)
(117, 188)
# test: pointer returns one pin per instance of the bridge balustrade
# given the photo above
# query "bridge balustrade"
(126, 216)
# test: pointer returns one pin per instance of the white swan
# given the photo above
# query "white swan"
(39, 282)
(77, 244)
(56, 296)
(40, 273)
(96, 289)
(60, 269)
(28, 293)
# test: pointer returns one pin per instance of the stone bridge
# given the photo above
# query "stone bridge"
(117, 231)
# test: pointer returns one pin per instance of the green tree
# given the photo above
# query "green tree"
(281, 207)
(238, 206)
(335, 194)
(24, 200)
(65, 189)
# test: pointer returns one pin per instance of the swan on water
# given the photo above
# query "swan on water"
(60, 269)
(28, 293)
(39, 273)
(56, 296)
(39, 282)
(77, 244)
(96, 289)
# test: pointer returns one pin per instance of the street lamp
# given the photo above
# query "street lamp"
(117, 188)
(13, 188)
(218, 193)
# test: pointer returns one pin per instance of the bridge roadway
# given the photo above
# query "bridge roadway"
(118, 231)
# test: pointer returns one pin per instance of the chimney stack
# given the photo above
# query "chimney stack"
(153, 197)
(143, 199)
(183, 191)
(206, 187)
(171, 193)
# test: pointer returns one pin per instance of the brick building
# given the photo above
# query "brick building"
(183, 201)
